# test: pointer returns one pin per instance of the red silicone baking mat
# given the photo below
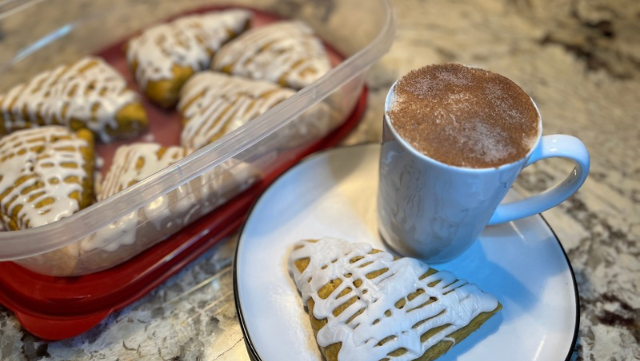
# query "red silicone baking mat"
(55, 308)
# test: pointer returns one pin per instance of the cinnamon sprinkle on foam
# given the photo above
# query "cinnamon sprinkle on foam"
(463, 116)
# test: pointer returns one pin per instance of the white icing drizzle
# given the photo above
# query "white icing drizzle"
(214, 104)
(134, 162)
(43, 155)
(188, 42)
(89, 91)
(113, 235)
(285, 50)
(458, 302)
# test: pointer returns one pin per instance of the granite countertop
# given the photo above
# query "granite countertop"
(578, 59)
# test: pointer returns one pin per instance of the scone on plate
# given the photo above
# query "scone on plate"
(286, 53)
(364, 304)
(166, 214)
(46, 174)
(86, 94)
(164, 56)
(213, 104)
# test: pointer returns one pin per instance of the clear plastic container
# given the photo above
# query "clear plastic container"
(41, 34)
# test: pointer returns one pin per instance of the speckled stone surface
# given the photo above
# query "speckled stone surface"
(578, 59)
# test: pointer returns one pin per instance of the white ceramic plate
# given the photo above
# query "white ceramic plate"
(334, 194)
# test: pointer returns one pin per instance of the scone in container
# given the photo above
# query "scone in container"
(40, 34)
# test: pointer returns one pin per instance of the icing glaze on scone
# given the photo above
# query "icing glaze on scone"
(131, 164)
(189, 41)
(134, 162)
(286, 53)
(214, 104)
(384, 318)
(41, 175)
(86, 94)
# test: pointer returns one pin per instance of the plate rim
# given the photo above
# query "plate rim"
(251, 349)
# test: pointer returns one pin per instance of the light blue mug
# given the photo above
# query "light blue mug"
(435, 211)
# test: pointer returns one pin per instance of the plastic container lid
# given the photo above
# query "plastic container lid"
(367, 42)
(55, 308)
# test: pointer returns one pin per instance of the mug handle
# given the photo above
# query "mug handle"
(550, 146)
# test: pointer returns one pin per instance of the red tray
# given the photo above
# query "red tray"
(55, 308)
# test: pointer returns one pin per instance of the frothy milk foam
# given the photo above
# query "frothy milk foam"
(463, 116)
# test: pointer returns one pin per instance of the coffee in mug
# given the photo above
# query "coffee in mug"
(455, 139)
(464, 117)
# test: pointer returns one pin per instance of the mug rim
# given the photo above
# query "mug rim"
(387, 121)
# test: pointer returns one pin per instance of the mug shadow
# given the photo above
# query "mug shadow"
(531, 263)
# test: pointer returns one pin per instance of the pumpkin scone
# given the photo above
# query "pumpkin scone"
(166, 214)
(366, 305)
(213, 104)
(135, 162)
(286, 53)
(120, 240)
(46, 174)
(88, 93)
(164, 56)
